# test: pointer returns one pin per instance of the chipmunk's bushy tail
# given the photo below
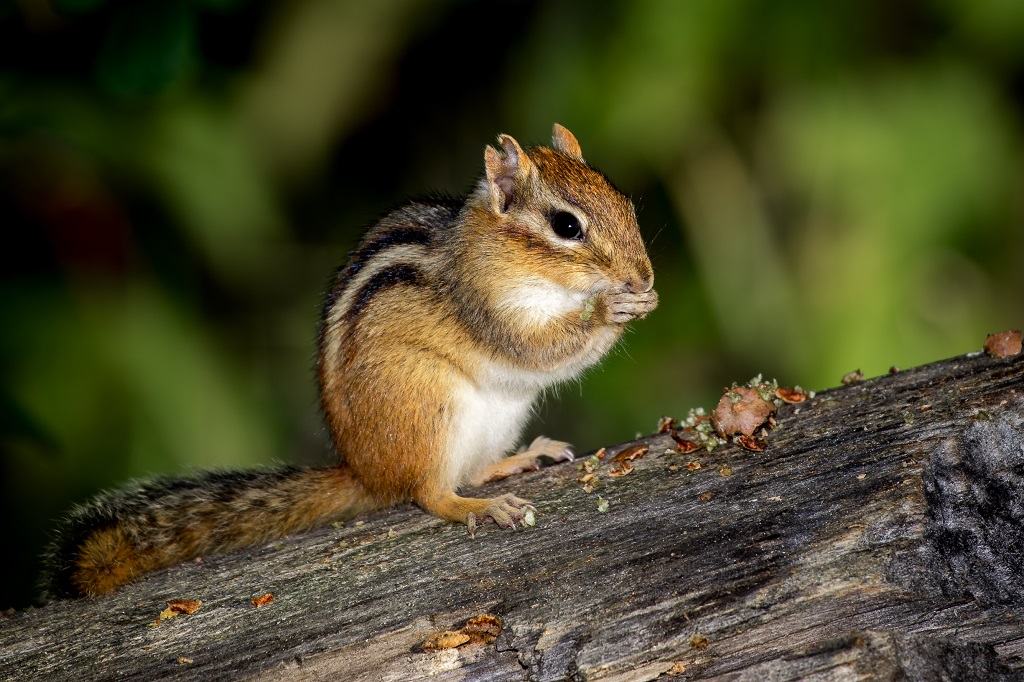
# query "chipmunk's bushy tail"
(150, 524)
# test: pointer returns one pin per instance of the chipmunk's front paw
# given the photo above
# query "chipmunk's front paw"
(506, 511)
(623, 306)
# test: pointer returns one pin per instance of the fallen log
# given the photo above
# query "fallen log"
(881, 533)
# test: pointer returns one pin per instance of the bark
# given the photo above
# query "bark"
(880, 536)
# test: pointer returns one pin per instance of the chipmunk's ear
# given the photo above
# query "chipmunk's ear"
(564, 141)
(508, 174)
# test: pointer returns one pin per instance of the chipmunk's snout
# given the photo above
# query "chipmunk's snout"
(640, 283)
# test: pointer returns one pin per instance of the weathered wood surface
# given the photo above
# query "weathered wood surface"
(881, 534)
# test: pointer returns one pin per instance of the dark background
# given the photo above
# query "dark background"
(823, 187)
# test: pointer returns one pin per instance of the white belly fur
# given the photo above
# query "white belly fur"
(488, 421)
(489, 413)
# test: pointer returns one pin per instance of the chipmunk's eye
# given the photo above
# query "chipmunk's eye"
(566, 225)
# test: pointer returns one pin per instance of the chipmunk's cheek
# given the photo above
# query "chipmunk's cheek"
(540, 300)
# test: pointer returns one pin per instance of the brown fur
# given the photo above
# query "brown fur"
(446, 323)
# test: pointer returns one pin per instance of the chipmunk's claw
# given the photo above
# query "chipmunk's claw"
(505, 511)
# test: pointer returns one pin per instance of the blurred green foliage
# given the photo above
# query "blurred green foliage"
(823, 186)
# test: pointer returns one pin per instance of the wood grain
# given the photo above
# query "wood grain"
(881, 533)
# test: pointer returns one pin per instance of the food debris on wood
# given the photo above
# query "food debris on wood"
(482, 629)
(745, 415)
(621, 470)
(852, 377)
(622, 463)
(185, 606)
(793, 395)
(751, 443)
(684, 445)
(694, 433)
(262, 600)
(445, 640)
(589, 480)
(699, 641)
(741, 410)
(678, 668)
(176, 607)
(1004, 344)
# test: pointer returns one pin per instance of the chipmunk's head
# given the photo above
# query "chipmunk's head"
(563, 221)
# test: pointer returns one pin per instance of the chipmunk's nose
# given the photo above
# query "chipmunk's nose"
(641, 283)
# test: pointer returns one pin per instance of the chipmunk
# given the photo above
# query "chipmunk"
(448, 321)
